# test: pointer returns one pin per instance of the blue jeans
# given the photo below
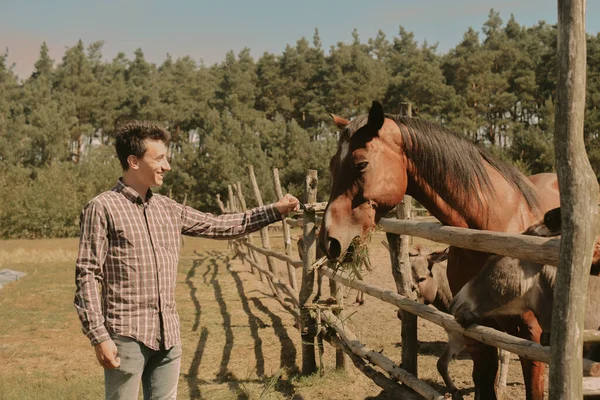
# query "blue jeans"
(157, 370)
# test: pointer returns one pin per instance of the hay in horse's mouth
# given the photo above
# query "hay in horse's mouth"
(356, 255)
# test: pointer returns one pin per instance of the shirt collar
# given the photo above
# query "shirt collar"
(130, 194)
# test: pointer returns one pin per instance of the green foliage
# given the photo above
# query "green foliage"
(496, 87)
(46, 202)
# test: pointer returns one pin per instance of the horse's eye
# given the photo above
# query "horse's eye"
(361, 165)
(422, 279)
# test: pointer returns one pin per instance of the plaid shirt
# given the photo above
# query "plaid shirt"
(131, 246)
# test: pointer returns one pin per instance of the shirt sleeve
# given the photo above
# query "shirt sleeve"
(226, 226)
(93, 244)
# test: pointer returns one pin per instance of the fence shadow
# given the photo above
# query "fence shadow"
(253, 322)
(214, 260)
(288, 353)
(191, 378)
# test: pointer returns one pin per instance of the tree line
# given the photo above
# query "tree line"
(496, 87)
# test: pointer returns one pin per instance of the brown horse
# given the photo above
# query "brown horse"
(380, 158)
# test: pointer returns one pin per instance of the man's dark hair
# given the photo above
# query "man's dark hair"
(130, 138)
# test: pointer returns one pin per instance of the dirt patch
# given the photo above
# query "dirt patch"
(238, 341)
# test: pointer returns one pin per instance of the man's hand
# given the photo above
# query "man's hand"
(287, 204)
(106, 353)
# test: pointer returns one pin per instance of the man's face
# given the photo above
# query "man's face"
(154, 163)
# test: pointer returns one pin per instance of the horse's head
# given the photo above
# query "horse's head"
(369, 178)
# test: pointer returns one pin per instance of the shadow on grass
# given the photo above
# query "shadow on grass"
(192, 380)
(214, 262)
(288, 350)
(254, 323)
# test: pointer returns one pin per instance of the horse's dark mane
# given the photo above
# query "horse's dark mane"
(440, 154)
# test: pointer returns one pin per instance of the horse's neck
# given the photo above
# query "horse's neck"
(497, 214)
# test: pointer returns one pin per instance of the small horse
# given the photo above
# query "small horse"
(509, 286)
(429, 277)
(430, 282)
(380, 158)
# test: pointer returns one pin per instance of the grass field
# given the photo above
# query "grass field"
(238, 342)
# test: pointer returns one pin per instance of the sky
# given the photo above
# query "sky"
(207, 30)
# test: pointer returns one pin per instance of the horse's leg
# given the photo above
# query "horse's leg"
(320, 275)
(454, 346)
(485, 368)
(527, 327)
(332, 291)
(503, 374)
(533, 371)
(360, 296)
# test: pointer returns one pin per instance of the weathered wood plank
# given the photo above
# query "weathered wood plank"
(591, 386)
(484, 334)
(537, 249)
(591, 336)
(308, 333)
(393, 389)
(401, 271)
(379, 359)
(578, 198)
(287, 238)
(274, 254)
(264, 232)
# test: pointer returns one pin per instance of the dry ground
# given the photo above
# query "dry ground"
(238, 342)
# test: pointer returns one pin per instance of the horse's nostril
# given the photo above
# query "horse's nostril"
(334, 248)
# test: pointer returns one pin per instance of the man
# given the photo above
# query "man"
(130, 242)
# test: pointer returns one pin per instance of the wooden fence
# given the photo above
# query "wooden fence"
(312, 319)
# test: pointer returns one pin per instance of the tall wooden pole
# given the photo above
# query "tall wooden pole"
(264, 232)
(308, 327)
(287, 239)
(578, 198)
(242, 201)
(402, 276)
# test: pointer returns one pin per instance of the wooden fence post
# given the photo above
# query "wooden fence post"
(242, 201)
(232, 209)
(578, 199)
(287, 240)
(341, 359)
(220, 204)
(264, 232)
(403, 277)
(233, 204)
(308, 327)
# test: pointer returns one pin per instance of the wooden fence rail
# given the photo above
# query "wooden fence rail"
(272, 253)
(490, 336)
(533, 248)
(378, 359)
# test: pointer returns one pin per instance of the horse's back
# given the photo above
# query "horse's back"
(546, 185)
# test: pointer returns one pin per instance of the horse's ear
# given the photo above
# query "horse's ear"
(376, 116)
(438, 256)
(339, 121)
